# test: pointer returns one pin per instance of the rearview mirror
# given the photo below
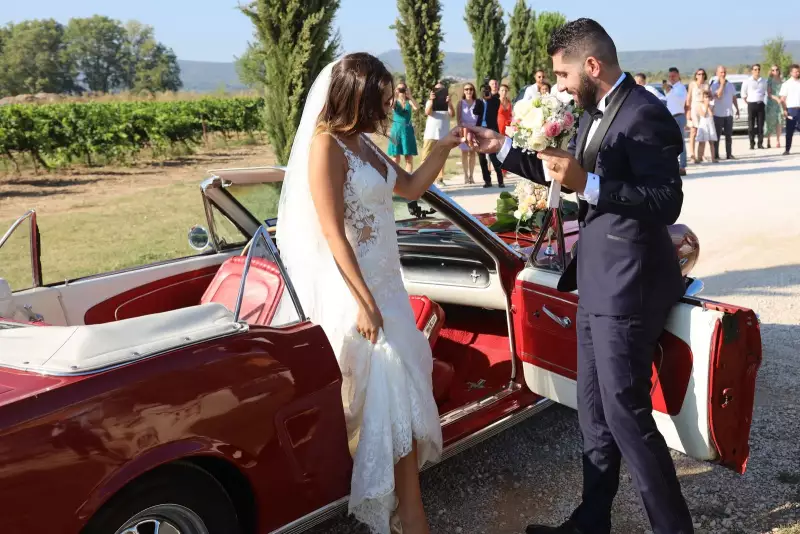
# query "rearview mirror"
(198, 238)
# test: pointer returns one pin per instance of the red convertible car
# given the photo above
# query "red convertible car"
(171, 396)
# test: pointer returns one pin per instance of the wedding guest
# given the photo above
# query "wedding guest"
(725, 101)
(754, 92)
(402, 141)
(437, 126)
(676, 104)
(532, 91)
(773, 116)
(641, 79)
(488, 114)
(706, 132)
(546, 88)
(790, 99)
(466, 116)
(504, 112)
(694, 101)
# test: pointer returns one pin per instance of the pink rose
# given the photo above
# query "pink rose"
(552, 129)
(569, 120)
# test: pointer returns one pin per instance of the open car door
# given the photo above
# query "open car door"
(704, 368)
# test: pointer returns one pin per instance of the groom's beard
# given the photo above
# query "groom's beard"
(587, 92)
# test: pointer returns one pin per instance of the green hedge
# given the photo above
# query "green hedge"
(63, 133)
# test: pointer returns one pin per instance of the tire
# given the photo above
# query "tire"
(181, 495)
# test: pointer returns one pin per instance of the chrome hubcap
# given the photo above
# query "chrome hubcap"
(165, 519)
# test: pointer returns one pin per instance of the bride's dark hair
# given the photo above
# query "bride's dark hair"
(356, 95)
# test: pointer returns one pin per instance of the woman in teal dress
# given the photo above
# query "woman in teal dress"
(402, 142)
(774, 113)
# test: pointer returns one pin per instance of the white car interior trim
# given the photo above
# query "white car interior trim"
(491, 296)
(66, 350)
(66, 304)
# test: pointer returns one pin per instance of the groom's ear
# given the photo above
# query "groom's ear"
(592, 66)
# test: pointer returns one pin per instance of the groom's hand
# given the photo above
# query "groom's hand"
(484, 140)
(564, 168)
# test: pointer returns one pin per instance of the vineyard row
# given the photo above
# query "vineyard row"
(60, 134)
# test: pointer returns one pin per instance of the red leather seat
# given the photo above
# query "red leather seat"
(429, 317)
(262, 292)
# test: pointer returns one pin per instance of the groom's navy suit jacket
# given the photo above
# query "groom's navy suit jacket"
(628, 264)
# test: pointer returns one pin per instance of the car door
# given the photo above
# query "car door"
(704, 367)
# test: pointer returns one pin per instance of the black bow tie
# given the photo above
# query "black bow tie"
(595, 113)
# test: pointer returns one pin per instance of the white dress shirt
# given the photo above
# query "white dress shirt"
(676, 99)
(791, 90)
(591, 193)
(754, 91)
(531, 92)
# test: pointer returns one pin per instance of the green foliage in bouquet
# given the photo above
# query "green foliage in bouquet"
(507, 204)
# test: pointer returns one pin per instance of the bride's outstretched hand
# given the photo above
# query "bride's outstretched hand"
(484, 140)
(454, 138)
(369, 323)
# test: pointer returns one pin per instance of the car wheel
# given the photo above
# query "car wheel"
(174, 499)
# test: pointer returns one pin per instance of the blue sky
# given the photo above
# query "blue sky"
(214, 30)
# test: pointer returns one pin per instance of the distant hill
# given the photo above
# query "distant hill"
(205, 76)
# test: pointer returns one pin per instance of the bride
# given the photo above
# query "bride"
(336, 234)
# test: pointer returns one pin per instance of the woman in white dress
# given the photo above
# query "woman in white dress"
(336, 235)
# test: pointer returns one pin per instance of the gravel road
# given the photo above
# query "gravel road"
(745, 214)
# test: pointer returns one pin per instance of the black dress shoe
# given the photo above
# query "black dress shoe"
(568, 527)
(487, 185)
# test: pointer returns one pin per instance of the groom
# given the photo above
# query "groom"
(623, 165)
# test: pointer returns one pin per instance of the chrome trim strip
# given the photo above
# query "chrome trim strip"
(335, 508)
(460, 413)
(565, 301)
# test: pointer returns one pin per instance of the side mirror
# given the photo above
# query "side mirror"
(198, 238)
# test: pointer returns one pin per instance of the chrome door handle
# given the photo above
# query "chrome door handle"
(563, 321)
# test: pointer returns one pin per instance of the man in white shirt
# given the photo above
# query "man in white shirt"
(437, 126)
(790, 100)
(532, 91)
(754, 92)
(724, 95)
(641, 79)
(676, 103)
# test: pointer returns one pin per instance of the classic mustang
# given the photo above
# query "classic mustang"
(171, 396)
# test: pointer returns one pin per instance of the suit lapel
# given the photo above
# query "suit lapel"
(583, 133)
(610, 113)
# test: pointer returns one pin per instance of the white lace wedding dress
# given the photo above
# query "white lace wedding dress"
(387, 392)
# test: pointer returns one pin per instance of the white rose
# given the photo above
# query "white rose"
(518, 214)
(551, 102)
(522, 107)
(533, 119)
(538, 142)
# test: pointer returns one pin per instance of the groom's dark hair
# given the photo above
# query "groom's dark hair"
(582, 38)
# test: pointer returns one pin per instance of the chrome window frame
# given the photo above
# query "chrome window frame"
(35, 245)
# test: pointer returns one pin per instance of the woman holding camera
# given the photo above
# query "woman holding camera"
(402, 142)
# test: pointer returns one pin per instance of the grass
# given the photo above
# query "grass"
(123, 228)
(794, 529)
(134, 229)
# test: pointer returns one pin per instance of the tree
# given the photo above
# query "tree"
(148, 66)
(546, 23)
(522, 46)
(250, 67)
(484, 20)
(419, 34)
(34, 59)
(297, 40)
(775, 54)
(97, 45)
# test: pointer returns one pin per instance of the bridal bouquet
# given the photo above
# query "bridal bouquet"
(525, 208)
(544, 121)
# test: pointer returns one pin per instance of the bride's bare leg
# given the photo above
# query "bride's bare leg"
(410, 509)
